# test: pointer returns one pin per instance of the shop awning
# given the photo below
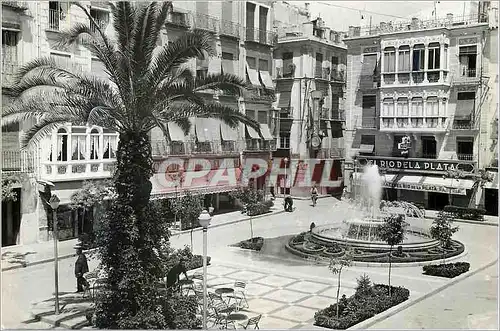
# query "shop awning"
(266, 79)
(175, 132)
(207, 129)
(253, 76)
(214, 66)
(493, 184)
(252, 133)
(228, 133)
(366, 148)
(266, 132)
(464, 109)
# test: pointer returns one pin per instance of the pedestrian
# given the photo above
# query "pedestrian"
(271, 189)
(173, 276)
(81, 268)
(288, 203)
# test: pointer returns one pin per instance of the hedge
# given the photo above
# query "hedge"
(449, 270)
(465, 213)
(253, 244)
(360, 307)
(259, 208)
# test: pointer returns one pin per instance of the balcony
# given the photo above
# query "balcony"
(16, 161)
(9, 71)
(463, 124)
(230, 29)
(413, 124)
(466, 76)
(78, 170)
(58, 20)
(369, 123)
(206, 22)
(331, 153)
(163, 148)
(466, 157)
(285, 72)
(261, 36)
(259, 145)
(16, 5)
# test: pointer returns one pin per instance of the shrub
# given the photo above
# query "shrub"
(180, 312)
(247, 195)
(364, 287)
(253, 244)
(449, 270)
(259, 208)
(476, 214)
(358, 308)
(191, 261)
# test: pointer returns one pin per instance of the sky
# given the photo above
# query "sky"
(339, 15)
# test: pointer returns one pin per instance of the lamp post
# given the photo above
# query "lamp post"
(54, 204)
(178, 180)
(286, 176)
(204, 220)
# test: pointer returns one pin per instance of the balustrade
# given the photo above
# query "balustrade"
(228, 28)
(261, 36)
(413, 123)
(465, 157)
(78, 169)
(206, 22)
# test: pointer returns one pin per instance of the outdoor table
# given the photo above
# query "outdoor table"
(224, 291)
(236, 317)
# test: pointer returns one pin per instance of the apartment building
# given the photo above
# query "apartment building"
(310, 61)
(73, 154)
(420, 102)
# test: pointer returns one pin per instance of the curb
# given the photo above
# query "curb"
(394, 310)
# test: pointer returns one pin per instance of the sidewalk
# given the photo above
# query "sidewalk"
(21, 256)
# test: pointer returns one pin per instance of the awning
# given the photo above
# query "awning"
(266, 79)
(493, 184)
(252, 133)
(266, 132)
(285, 97)
(227, 133)
(228, 66)
(366, 148)
(253, 76)
(443, 185)
(286, 124)
(207, 129)
(464, 109)
(214, 66)
(369, 65)
(175, 132)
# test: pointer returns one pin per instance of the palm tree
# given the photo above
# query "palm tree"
(147, 88)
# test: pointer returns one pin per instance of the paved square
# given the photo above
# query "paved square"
(295, 313)
(268, 322)
(317, 302)
(263, 306)
(307, 287)
(254, 289)
(220, 270)
(276, 281)
(220, 282)
(286, 296)
(332, 292)
(246, 275)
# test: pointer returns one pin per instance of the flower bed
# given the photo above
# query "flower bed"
(253, 244)
(259, 208)
(449, 270)
(465, 213)
(360, 306)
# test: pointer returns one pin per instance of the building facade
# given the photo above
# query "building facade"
(422, 106)
(74, 154)
(310, 61)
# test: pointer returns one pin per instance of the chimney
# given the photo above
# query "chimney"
(357, 31)
(351, 31)
(414, 22)
(383, 26)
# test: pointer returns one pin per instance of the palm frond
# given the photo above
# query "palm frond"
(123, 23)
(227, 83)
(43, 128)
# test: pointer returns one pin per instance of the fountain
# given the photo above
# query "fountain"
(358, 230)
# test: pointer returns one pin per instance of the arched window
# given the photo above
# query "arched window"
(390, 59)
(78, 143)
(388, 109)
(431, 107)
(402, 107)
(417, 105)
(62, 145)
(94, 144)
(110, 144)
(404, 59)
(434, 56)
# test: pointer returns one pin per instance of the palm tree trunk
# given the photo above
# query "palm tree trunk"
(251, 229)
(191, 234)
(390, 265)
(338, 293)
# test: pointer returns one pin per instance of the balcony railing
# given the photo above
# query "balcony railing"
(416, 77)
(58, 20)
(164, 148)
(206, 22)
(16, 5)
(465, 157)
(9, 71)
(18, 161)
(261, 36)
(413, 123)
(429, 156)
(64, 170)
(467, 124)
(258, 145)
(231, 29)
(369, 122)
(331, 153)
(285, 72)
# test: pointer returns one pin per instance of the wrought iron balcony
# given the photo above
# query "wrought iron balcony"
(463, 124)
(206, 22)
(18, 161)
(58, 20)
(466, 157)
(228, 28)
(331, 153)
(260, 145)
(369, 122)
(337, 75)
(261, 36)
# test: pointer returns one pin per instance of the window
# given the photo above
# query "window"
(429, 147)
(433, 60)
(418, 58)
(468, 57)
(250, 113)
(404, 59)
(284, 140)
(9, 47)
(402, 107)
(262, 117)
(252, 62)
(417, 105)
(432, 108)
(465, 148)
(62, 145)
(263, 65)
(388, 107)
(110, 144)
(288, 67)
(318, 72)
(228, 63)
(445, 57)
(367, 145)
(78, 143)
(390, 59)
(335, 60)
(369, 111)
(94, 144)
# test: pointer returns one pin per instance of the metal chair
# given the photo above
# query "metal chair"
(219, 313)
(239, 295)
(254, 321)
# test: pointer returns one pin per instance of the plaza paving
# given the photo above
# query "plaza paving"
(285, 289)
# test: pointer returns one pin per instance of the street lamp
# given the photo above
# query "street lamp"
(286, 176)
(204, 220)
(54, 204)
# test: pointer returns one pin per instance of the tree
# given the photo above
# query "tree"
(248, 196)
(148, 87)
(442, 230)
(336, 266)
(188, 208)
(8, 193)
(392, 231)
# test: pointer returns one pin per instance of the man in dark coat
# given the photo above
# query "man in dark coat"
(174, 274)
(288, 203)
(81, 268)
